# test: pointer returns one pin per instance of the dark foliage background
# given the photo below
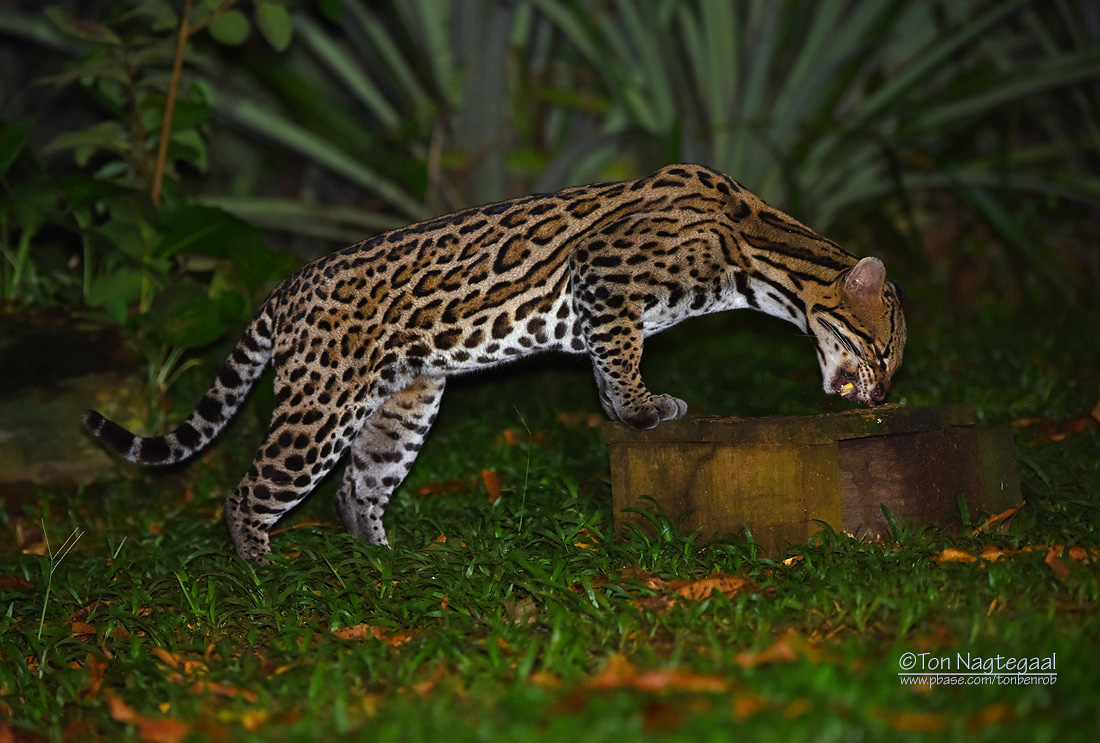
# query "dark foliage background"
(959, 140)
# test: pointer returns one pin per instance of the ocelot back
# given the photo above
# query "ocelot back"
(363, 340)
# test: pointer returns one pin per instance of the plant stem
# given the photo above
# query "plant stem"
(170, 103)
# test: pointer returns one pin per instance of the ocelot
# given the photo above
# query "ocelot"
(362, 341)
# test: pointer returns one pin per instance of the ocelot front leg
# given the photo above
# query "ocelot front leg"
(382, 454)
(611, 326)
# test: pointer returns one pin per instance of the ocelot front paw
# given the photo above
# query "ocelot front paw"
(656, 409)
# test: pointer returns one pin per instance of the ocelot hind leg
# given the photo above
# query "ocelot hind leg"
(383, 453)
(302, 445)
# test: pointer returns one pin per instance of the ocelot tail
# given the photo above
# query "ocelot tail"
(362, 341)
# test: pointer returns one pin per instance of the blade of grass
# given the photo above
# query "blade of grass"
(55, 560)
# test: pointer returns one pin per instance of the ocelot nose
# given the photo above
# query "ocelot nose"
(878, 394)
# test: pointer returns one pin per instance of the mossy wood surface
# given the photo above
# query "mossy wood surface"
(782, 476)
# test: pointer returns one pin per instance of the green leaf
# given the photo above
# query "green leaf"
(160, 13)
(122, 285)
(82, 29)
(215, 233)
(231, 29)
(332, 10)
(12, 140)
(184, 315)
(189, 146)
(107, 135)
(274, 23)
(125, 232)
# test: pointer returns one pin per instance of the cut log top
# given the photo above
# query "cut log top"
(798, 429)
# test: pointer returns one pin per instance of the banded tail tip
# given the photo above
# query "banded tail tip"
(93, 420)
(106, 430)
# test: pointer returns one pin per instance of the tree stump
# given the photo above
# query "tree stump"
(781, 477)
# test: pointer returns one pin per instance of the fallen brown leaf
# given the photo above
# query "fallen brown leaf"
(954, 555)
(1054, 562)
(650, 580)
(187, 666)
(620, 673)
(927, 722)
(697, 590)
(396, 638)
(15, 583)
(82, 629)
(224, 690)
(1054, 430)
(97, 668)
(75, 730)
(579, 419)
(672, 592)
(150, 730)
(787, 649)
(425, 686)
(512, 437)
(588, 540)
(545, 678)
(1054, 553)
(797, 708)
(493, 484)
(998, 518)
(448, 487)
(991, 552)
(747, 704)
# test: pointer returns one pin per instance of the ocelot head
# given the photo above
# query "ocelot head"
(860, 332)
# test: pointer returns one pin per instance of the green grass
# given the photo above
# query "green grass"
(151, 627)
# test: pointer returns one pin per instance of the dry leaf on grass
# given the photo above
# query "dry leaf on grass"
(1050, 429)
(493, 484)
(673, 592)
(512, 437)
(150, 730)
(697, 590)
(15, 583)
(448, 487)
(587, 540)
(1055, 563)
(214, 688)
(620, 673)
(185, 665)
(98, 669)
(787, 649)
(1053, 557)
(954, 555)
(396, 638)
(991, 715)
(1001, 518)
(926, 722)
(747, 704)
(82, 629)
(425, 686)
(579, 419)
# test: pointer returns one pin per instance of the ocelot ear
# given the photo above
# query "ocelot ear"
(899, 290)
(865, 280)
